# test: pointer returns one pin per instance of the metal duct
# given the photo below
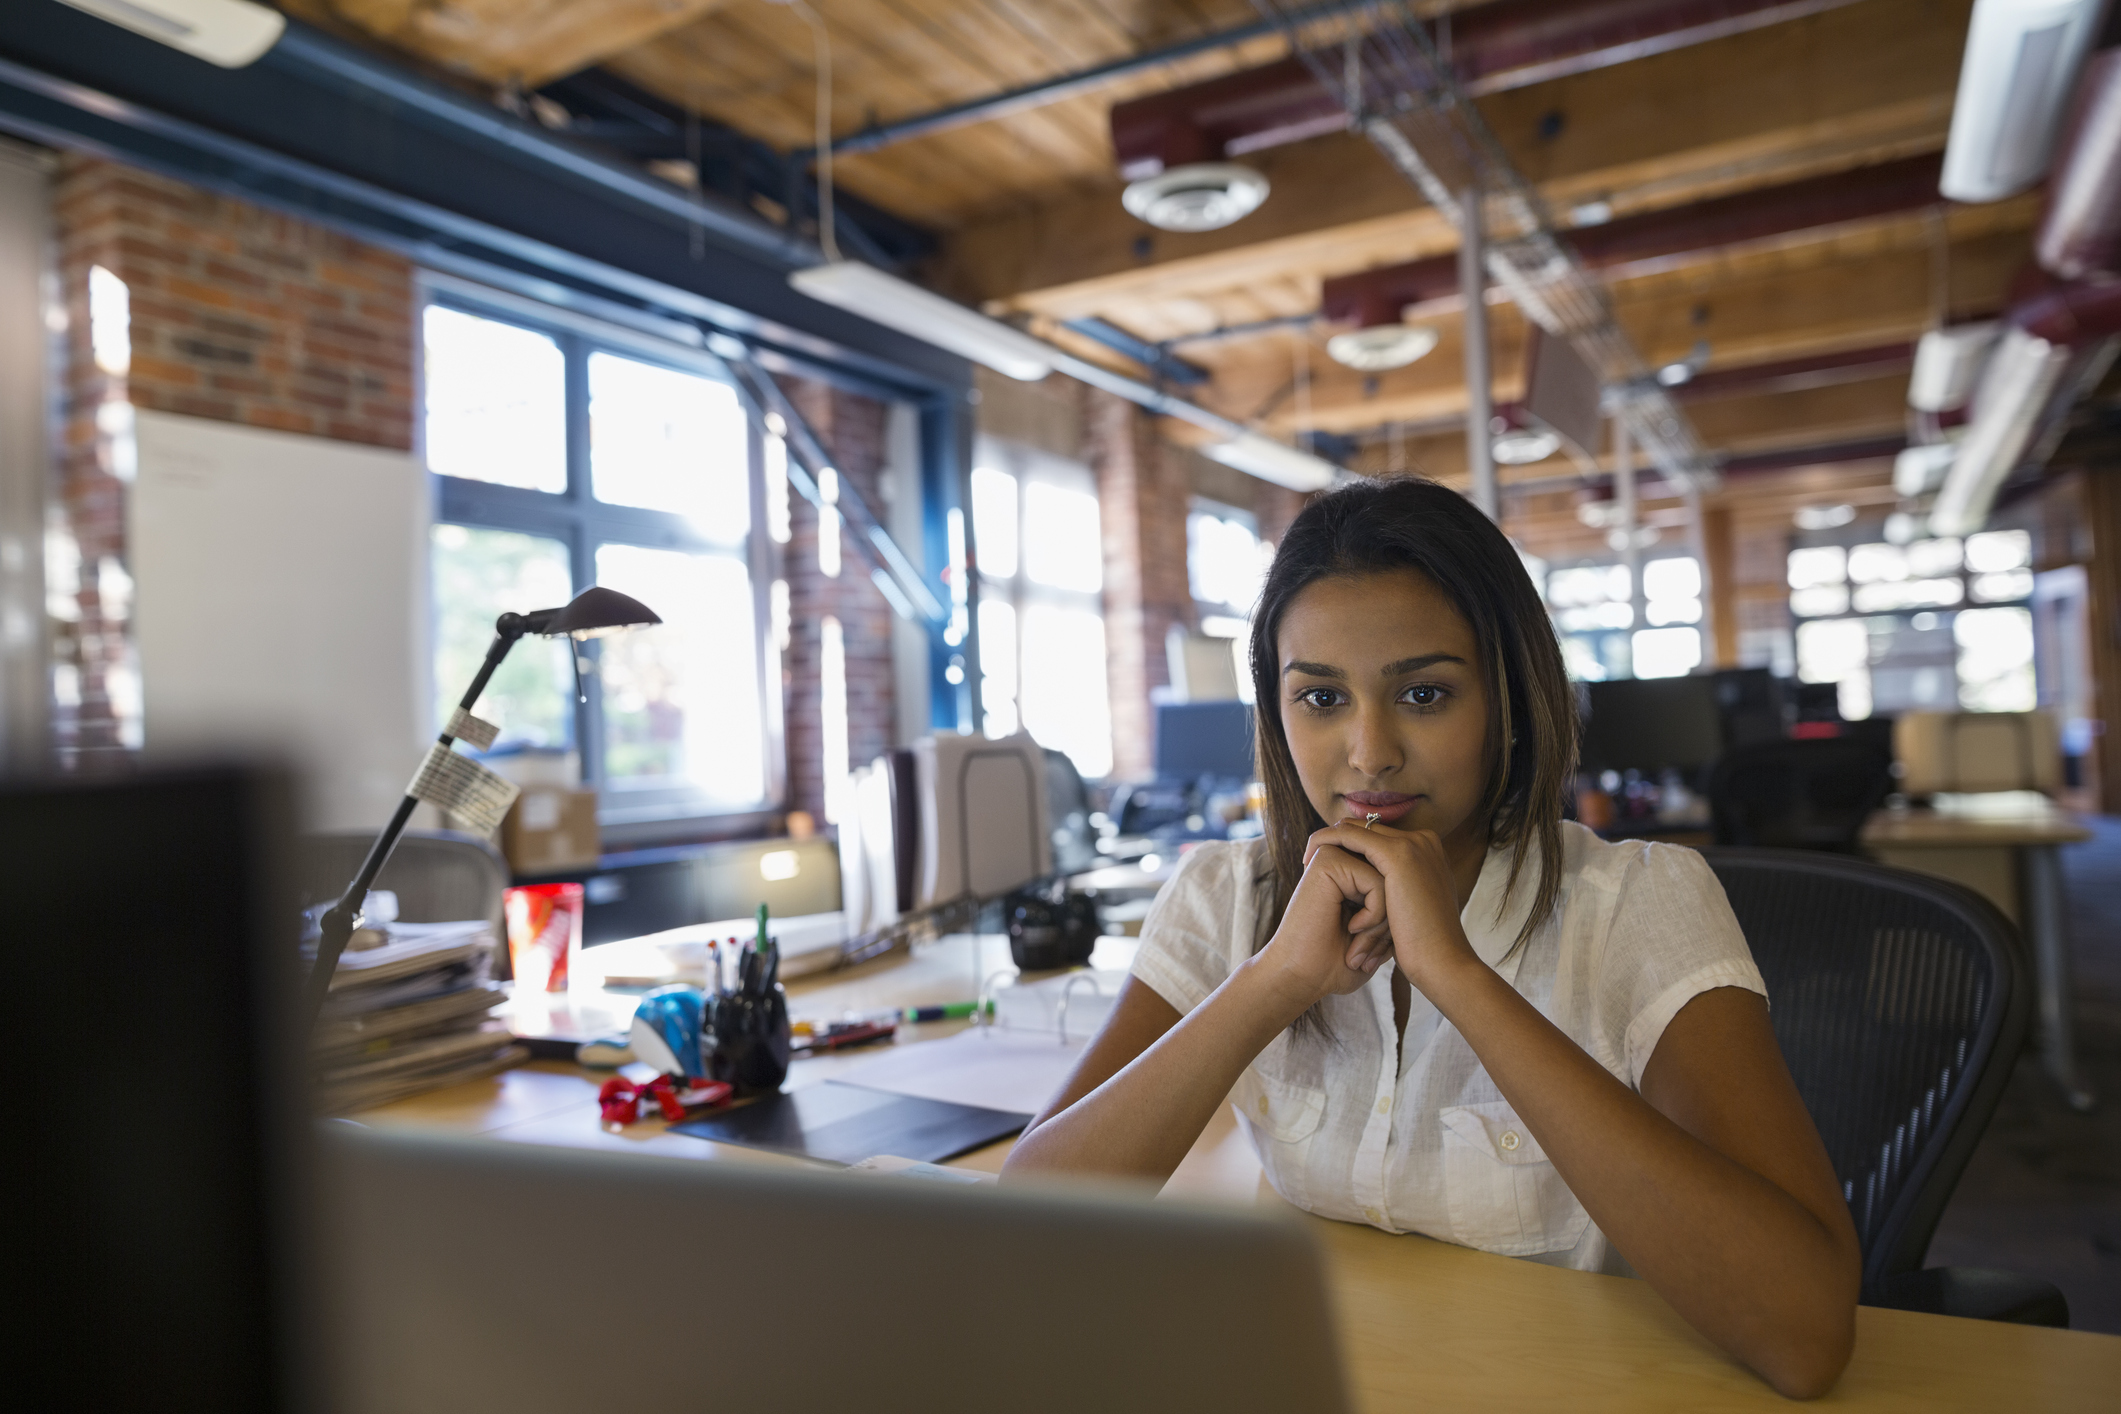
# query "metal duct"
(2081, 230)
(1493, 48)
(2055, 343)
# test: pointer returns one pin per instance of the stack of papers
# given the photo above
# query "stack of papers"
(412, 1014)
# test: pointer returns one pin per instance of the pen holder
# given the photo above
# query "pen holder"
(748, 1041)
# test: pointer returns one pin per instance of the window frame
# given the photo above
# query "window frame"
(575, 518)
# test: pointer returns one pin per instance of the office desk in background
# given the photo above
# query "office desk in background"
(2005, 847)
(1424, 1324)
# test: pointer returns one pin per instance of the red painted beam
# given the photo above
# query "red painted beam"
(1510, 44)
(1377, 296)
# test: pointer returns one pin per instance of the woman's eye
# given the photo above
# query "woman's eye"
(1424, 694)
(1319, 698)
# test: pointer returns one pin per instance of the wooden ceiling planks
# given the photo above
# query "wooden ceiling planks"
(527, 42)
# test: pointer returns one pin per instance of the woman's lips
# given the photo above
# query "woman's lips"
(1386, 805)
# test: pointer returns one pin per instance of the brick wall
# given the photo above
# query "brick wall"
(852, 428)
(1143, 487)
(238, 314)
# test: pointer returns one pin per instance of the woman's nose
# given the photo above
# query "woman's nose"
(1373, 745)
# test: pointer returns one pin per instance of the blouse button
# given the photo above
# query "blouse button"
(1263, 1104)
(1372, 1215)
(1509, 1139)
(1384, 1104)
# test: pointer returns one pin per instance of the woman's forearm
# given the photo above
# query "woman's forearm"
(1142, 1121)
(1740, 1258)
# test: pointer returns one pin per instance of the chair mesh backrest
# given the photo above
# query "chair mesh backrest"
(438, 878)
(1799, 794)
(1897, 1002)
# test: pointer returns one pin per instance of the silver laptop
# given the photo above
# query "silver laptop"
(466, 1275)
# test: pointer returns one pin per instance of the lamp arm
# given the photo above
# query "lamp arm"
(337, 924)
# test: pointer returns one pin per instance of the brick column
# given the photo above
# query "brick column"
(852, 428)
(1142, 493)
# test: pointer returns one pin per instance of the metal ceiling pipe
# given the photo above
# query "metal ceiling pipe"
(1377, 296)
(1493, 48)
(2080, 232)
(1480, 445)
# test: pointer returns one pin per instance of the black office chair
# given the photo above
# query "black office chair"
(1799, 794)
(1900, 1002)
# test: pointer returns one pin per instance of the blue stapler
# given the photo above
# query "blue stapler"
(666, 1031)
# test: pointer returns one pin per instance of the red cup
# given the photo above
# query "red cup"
(544, 934)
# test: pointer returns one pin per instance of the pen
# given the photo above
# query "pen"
(949, 1011)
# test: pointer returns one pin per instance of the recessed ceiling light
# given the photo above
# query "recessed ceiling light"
(1673, 374)
(1200, 196)
(1382, 347)
(1824, 517)
(1521, 446)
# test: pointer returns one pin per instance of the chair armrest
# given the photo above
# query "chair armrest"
(1979, 1293)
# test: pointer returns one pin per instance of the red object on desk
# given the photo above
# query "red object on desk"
(1814, 731)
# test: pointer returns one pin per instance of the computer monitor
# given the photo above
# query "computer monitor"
(1196, 739)
(151, 932)
(1651, 724)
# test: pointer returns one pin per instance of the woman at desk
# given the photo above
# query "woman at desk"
(1441, 1008)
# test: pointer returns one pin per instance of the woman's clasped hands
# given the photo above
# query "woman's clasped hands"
(1368, 893)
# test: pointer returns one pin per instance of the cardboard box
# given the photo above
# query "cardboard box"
(1977, 751)
(551, 828)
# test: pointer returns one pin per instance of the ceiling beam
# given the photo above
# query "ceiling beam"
(1853, 86)
(1859, 291)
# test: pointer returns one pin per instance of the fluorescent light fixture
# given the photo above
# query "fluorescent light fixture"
(1947, 363)
(1917, 471)
(1274, 461)
(2021, 63)
(2015, 390)
(230, 33)
(1824, 517)
(927, 316)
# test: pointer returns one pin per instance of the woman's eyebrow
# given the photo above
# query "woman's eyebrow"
(1415, 665)
(1313, 670)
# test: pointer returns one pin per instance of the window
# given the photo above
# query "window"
(568, 454)
(1226, 568)
(1887, 624)
(1594, 610)
(1039, 544)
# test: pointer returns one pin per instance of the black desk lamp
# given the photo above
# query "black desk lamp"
(593, 613)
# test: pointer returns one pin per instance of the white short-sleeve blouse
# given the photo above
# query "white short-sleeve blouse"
(1419, 1139)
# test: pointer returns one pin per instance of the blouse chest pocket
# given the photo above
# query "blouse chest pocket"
(1281, 1115)
(1502, 1193)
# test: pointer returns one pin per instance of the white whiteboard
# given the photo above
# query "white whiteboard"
(280, 607)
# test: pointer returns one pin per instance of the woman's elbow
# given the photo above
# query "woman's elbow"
(1807, 1361)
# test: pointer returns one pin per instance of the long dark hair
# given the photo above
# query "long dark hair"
(1407, 522)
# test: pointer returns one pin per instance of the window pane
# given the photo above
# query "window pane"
(1224, 560)
(1667, 652)
(1064, 703)
(1872, 564)
(1994, 550)
(478, 576)
(994, 521)
(681, 701)
(997, 660)
(1066, 546)
(496, 401)
(1995, 656)
(1822, 564)
(669, 441)
(1675, 578)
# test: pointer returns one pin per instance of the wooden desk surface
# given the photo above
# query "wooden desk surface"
(1958, 822)
(1424, 1324)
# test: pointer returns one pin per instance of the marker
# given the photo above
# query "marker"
(949, 1011)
